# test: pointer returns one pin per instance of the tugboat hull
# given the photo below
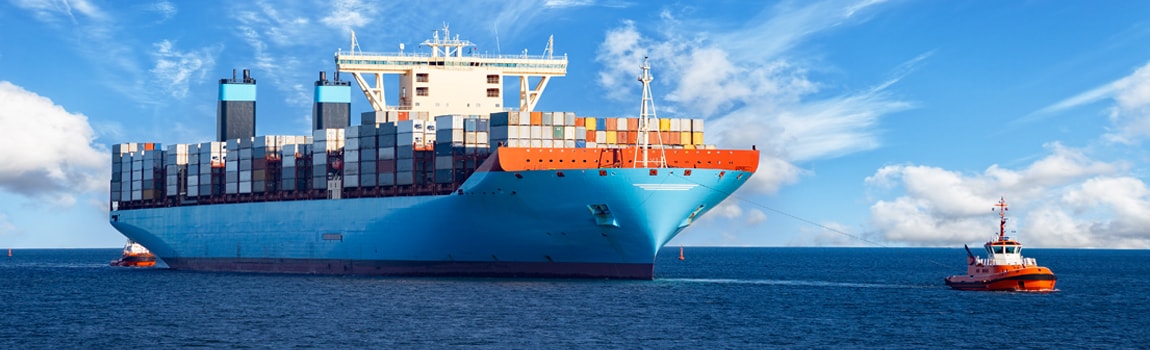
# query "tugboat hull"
(1028, 279)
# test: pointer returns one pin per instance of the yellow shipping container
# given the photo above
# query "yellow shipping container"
(684, 138)
(590, 124)
(612, 137)
(664, 125)
(697, 138)
(688, 146)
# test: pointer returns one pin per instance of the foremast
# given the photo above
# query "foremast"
(646, 113)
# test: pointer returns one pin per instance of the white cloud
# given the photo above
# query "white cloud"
(49, 155)
(165, 9)
(347, 15)
(749, 88)
(50, 11)
(1066, 199)
(1131, 114)
(180, 69)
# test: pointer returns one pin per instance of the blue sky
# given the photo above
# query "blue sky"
(897, 123)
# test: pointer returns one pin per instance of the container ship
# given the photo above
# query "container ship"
(446, 182)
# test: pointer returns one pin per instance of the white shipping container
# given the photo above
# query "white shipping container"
(481, 138)
(449, 122)
(549, 143)
(697, 125)
(245, 187)
(351, 180)
(536, 143)
(569, 133)
(558, 118)
(137, 195)
(568, 143)
(536, 132)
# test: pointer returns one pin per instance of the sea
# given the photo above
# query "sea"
(716, 298)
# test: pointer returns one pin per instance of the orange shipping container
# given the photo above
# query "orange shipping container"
(536, 118)
(632, 123)
(404, 115)
(611, 122)
(590, 136)
(668, 137)
(632, 136)
(579, 122)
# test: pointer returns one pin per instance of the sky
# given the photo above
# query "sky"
(880, 123)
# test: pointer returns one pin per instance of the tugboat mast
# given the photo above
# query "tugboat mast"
(1002, 217)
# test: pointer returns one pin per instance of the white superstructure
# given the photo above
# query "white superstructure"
(447, 80)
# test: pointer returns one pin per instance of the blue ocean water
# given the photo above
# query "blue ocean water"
(716, 298)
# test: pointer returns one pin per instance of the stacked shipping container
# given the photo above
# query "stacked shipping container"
(566, 130)
(399, 151)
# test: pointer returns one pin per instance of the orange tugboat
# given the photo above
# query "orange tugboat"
(135, 255)
(1004, 269)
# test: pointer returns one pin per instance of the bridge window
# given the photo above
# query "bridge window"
(421, 78)
(421, 91)
(493, 79)
(492, 92)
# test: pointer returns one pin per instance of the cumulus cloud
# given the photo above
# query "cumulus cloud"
(750, 88)
(51, 157)
(1066, 199)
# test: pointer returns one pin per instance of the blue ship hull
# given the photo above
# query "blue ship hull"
(543, 223)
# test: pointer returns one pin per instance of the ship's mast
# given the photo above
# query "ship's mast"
(1002, 218)
(646, 112)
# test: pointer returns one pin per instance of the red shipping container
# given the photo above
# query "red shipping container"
(404, 115)
(386, 166)
(632, 136)
(590, 136)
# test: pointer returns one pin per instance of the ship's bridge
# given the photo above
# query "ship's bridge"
(1004, 251)
(448, 81)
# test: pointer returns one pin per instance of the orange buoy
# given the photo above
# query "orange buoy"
(681, 253)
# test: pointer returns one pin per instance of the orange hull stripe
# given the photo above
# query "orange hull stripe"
(522, 159)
